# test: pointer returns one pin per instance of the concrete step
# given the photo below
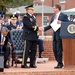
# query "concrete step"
(38, 60)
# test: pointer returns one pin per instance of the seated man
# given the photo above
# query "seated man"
(4, 45)
(41, 47)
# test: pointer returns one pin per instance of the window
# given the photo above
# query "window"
(62, 1)
(35, 4)
(46, 19)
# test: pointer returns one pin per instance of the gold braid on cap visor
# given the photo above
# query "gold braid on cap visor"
(13, 18)
(31, 8)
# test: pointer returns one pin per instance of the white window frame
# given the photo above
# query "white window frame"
(45, 22)
(62, 1)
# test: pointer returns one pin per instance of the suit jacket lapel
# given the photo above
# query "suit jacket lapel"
(60, 15)
(53, 18)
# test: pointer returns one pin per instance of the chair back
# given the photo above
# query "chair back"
(17, 40)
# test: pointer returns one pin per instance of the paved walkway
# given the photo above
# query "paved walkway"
(48, 66)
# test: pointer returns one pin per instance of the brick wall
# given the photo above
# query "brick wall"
(48, 51)
(70, 4)
(48, 2)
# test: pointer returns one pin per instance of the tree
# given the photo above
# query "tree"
(17, 3)
(4, 4)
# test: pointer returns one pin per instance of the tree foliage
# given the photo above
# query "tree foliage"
(4, 4)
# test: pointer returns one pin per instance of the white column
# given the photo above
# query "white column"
(42, 16)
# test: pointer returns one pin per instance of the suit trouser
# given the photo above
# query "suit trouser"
(57, 46)
(6, 50)
(40, 43)
(29, 45)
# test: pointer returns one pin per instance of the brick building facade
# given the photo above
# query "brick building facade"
(65, 4)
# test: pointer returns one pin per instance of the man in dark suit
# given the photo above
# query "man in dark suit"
(30, 37)
(4, 48)
(57, 41)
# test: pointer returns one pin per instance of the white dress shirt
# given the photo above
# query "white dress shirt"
(2, 38)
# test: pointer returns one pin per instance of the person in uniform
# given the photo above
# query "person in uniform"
(3, 14)
(1, 21)
(30, 37)
(12, 25)
(19, 22)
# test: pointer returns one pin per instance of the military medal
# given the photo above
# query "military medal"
(31, 19)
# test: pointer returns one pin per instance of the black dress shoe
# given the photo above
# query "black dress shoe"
(58, 66)
(40, 56)
(6, 66)
(22, 66)
(33, 66)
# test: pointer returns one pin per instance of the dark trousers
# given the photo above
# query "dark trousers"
(57, 47)
(6, 50)
(30, 48)
(40, 43)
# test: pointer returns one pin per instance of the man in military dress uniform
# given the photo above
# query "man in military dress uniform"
(30, 37)
(12, 25)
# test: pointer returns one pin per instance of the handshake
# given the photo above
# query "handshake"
(41, 28)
